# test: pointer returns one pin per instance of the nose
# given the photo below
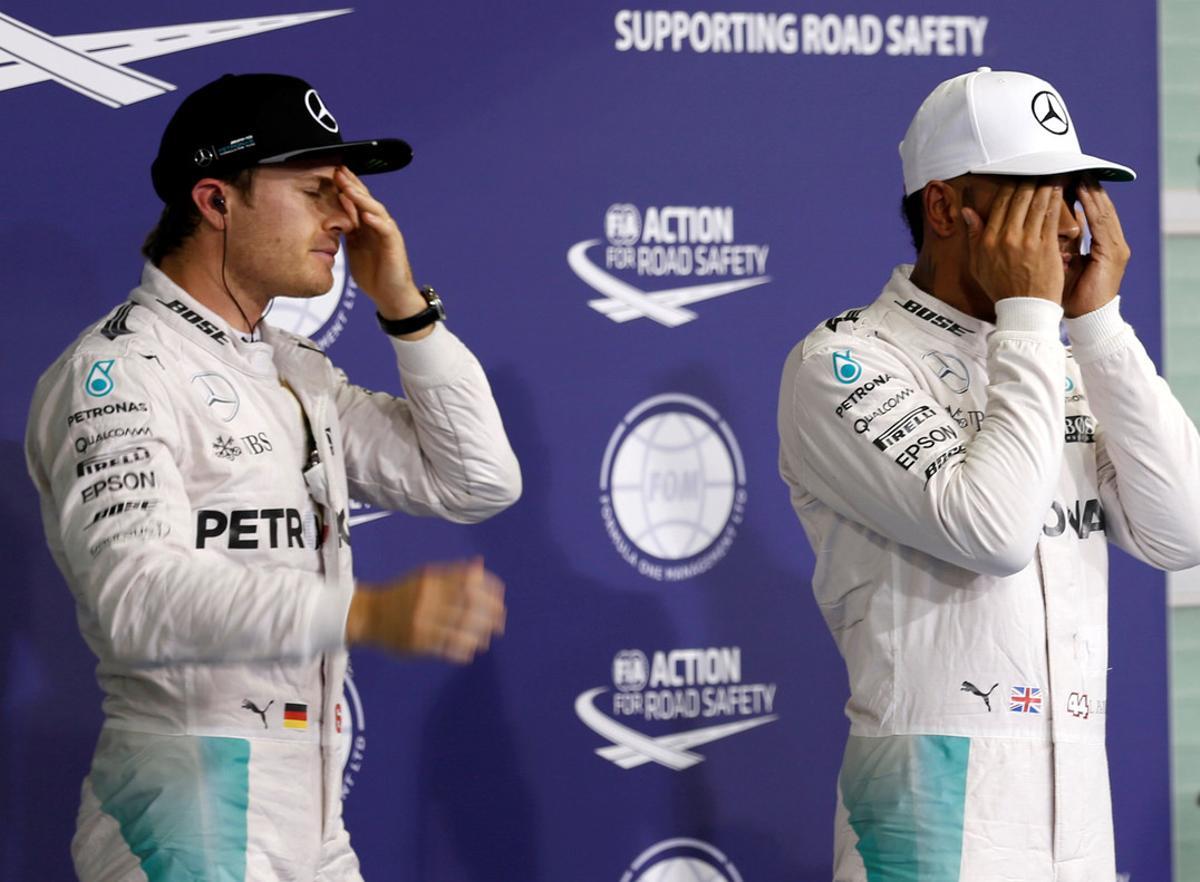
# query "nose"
(337, 220)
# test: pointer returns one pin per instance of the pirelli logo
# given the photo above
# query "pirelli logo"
(93, 464)
(904, 426)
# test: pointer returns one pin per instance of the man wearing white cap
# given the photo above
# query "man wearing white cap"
(957, 471)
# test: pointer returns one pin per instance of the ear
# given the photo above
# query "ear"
(943, 209)
(209, 195)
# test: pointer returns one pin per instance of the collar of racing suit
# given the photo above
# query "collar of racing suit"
(933, 316)
(191, 320)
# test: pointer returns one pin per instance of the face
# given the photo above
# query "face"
(979, 191)
(283, 238)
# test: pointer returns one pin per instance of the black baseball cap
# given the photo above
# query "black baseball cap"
(243, 120)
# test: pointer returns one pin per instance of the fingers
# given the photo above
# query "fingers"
(351, 210)
(350, 185)
(1019, 208)
(1045, 202)
(999, 210)
(1101, 214)
(1016, 253)
(463, 610)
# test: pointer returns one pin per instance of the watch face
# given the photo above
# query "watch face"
(434, 301)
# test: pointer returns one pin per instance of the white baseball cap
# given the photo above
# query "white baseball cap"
(999, 123)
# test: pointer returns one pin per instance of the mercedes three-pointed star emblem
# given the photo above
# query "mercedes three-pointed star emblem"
(1050, 113)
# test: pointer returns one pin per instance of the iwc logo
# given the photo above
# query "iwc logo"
(350, 727)
(321, 318)
(682, 860)
(672, 487)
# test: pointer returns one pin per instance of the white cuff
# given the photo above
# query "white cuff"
(327, 630)
(1098, 333)
(432, 360)
(1028, 315)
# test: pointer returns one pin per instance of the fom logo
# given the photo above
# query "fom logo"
(94, 64)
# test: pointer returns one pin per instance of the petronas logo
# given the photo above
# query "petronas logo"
(98, 382)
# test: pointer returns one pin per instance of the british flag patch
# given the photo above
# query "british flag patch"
(1025, 700)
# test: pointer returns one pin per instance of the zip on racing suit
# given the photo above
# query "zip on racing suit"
(957, 481)
(195, 491)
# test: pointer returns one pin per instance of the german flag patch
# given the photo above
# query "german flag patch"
(295, 715)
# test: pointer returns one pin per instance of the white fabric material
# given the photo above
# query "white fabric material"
(995, 122)
(957, 494)
(208, 568)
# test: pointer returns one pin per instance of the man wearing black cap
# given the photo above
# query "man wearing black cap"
(196, 467)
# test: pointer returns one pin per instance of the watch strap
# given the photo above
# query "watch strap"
(435, 312)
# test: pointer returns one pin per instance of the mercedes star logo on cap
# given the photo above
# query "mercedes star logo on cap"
(319, 111)
(1049, 112)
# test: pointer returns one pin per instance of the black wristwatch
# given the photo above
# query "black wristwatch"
(435, 312)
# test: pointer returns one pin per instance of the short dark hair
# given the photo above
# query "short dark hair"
(180, 218)
(912, 209)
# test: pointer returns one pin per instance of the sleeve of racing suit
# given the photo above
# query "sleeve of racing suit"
(118, 521)
(440, 451)
(909, 473)
(1147, 449)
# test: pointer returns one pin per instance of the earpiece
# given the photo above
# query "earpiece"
(218, 202)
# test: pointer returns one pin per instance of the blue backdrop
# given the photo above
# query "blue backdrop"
(572, 159)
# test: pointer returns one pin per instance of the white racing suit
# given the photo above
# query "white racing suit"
(195, 492)
(957, 481)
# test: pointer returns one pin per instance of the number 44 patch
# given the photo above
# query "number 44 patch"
(1077, 705)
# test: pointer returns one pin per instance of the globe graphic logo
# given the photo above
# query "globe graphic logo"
(307, 315)
(674, 475)
(683, 869)
(682, 860)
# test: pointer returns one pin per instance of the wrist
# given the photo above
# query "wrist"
(418, 324)
(359, 617)
(404, 304)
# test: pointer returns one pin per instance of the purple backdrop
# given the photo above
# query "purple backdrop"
(773, 174)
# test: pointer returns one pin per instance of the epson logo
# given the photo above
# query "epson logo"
(937, 320)
(905, 426)
(94, 464)
(113, 483)
(203, 325)
(935, 436)
(240, 529)
(107, 410)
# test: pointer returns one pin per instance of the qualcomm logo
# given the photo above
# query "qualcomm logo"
(681, 860)
(672, 487)
(678, 684)
(673, 240)
(94, 64)
(321, 318)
